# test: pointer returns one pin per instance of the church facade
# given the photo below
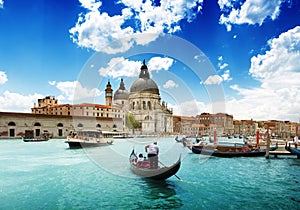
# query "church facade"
(143, 101)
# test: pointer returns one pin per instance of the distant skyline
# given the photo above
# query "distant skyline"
(238, 57)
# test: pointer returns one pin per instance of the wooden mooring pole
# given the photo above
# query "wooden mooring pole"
(268, 144)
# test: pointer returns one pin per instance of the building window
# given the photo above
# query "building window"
(60, 125)
(11, 124)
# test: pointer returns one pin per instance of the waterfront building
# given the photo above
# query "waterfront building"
(281, 129)
(245, 127)
(222, 122)
(58, 126)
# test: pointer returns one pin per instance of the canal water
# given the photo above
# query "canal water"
(49, 175)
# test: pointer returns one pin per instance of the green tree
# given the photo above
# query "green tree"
(131, 123)
(260, 124)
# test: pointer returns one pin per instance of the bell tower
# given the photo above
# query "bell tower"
(108, 94)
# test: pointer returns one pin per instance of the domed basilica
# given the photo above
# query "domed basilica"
(143, 102)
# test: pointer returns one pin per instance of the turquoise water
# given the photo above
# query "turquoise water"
(48, 175)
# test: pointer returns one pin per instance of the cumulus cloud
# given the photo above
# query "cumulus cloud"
(221, 64)
(278, 96)
(216, 79)
(170, 84)
(250, 12)
(200, 58)
(52, 83)
(75, 91)
(190, 108)
(159, 63)
(119, 66)
(213, 80)
(8, 102)
(226, 75)
(3, 77)
(112, 34)
(1, 3)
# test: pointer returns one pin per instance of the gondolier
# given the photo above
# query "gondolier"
(152, 151)
(159, 173)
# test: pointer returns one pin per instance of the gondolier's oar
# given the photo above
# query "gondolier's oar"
(174, 174)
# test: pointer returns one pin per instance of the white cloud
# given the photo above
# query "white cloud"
(201, 57)
(226, 75)
(16, 102)
(278, 70)
(117, 33)
(213, 80)
(75, 91)
(216, 79)
(159, 63)
(190, 108)
(250, 12)
(119, 67)
(170, 84)
(3, 77)
(222, 66)
(52, 83)
(1, 3)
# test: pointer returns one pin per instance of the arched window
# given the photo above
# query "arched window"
(80, 125)
(37, 124)
(98, 126)
(148, 117)
(11, 124)
(60, 125)
(149, 105)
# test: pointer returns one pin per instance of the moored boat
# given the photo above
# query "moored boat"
(229, 153)
(122, 136)
(82, 139)
(292, 150)
(29, 136)
(159, 173)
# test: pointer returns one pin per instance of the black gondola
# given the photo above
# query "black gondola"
(160, 173)
(294, 151)
(227, 154)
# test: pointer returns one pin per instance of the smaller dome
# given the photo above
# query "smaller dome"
(121, 93)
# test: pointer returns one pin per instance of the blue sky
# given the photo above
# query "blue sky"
(238, 57)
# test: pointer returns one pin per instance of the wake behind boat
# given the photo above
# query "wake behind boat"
(82, 139)
(160, 173)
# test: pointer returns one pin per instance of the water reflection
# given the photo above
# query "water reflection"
(159, 195)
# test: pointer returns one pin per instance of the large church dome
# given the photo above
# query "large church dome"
(144, 83)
